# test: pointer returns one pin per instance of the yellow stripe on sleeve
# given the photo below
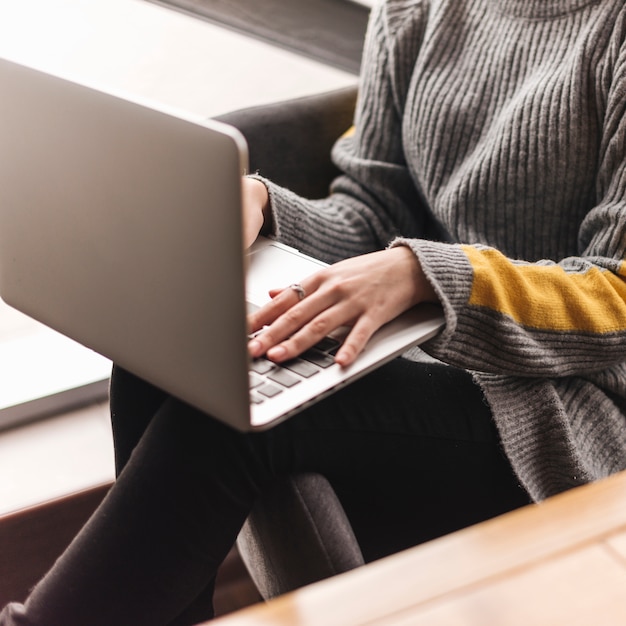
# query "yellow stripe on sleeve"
(349, 133)
(547, 297)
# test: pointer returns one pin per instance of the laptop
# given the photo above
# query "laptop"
(121, 227)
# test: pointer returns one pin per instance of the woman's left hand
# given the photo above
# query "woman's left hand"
(363, 292)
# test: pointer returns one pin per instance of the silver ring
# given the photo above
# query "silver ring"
(299, 289)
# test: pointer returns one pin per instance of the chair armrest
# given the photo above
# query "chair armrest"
(289, 142)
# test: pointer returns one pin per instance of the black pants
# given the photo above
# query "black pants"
(410, 449)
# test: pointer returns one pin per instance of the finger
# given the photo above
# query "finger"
(355, 341)
(281, 318)
(282, 300)
(291, 331)
(270, 311)
(306, 336)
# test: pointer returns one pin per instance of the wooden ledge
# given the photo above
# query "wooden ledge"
(493, 573)
(31, 539)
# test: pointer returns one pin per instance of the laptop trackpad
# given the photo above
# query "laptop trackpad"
(272, 265)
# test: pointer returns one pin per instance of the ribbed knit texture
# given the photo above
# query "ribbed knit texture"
(500, 124)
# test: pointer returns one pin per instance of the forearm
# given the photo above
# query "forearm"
(522, 319)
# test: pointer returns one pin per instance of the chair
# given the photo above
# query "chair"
(298, 532)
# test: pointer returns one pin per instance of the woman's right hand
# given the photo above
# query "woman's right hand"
(363, 292)
(256, 210)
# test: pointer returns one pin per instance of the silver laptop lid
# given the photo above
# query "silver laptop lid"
(120, 226)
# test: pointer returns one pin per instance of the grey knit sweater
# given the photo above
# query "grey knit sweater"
(490, 137)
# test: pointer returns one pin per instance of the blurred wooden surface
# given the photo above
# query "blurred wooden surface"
(32, 538)
(562, 562)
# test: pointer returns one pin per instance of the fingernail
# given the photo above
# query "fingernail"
(342, 358)
(254, 347)
(277, 352)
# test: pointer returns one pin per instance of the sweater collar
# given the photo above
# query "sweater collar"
(541, 8)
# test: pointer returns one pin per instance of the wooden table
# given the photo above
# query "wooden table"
(559, 562)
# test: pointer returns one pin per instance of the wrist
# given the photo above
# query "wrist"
(261, 199)
(423, 290)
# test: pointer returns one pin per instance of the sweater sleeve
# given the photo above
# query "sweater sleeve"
(545, 319)
(375, 198)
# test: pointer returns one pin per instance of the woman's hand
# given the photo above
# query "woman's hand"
(256, 211)
(363, 292)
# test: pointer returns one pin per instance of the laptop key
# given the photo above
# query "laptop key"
(328, 345)
(321, 359)
(256, 398)
(269, 390)
(262, 366)
(255, 379)
(305, 369)
(283, 377)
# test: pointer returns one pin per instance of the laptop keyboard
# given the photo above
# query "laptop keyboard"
(268, 379)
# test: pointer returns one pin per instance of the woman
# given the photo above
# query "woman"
(487, 172)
